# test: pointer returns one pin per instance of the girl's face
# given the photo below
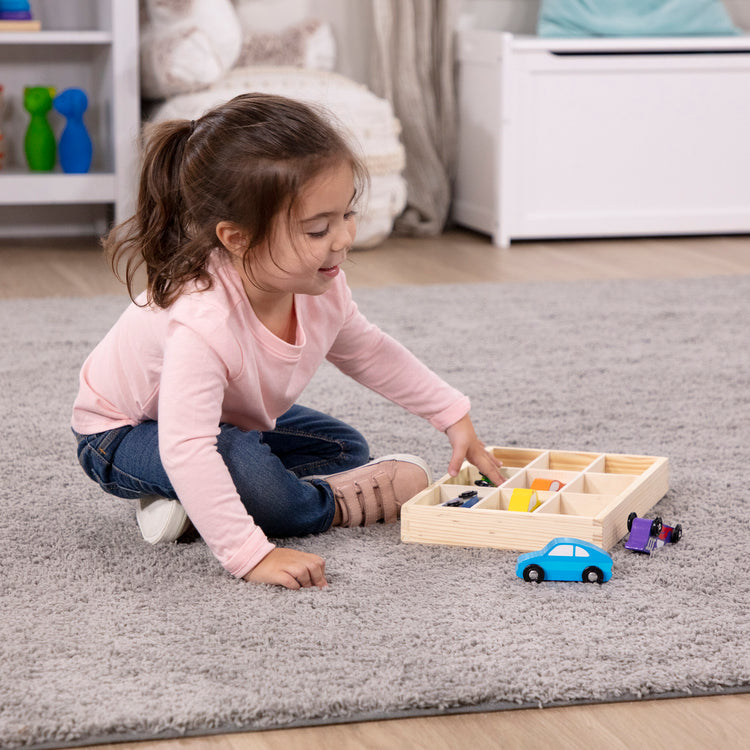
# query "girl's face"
(306, 253)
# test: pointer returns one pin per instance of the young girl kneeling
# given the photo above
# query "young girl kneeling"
(188, 405)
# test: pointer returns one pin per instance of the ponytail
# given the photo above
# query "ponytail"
(156, 235)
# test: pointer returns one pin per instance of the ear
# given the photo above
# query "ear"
(233, 237)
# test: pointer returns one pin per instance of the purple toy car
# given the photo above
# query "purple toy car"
(647, 535)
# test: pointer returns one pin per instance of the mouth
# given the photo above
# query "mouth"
(331, 271)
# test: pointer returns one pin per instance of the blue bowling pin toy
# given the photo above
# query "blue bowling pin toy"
(75, 149)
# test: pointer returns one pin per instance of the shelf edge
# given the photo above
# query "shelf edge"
(21, 189)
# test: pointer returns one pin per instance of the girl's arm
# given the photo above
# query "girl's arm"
(376, 360)
(193, 382)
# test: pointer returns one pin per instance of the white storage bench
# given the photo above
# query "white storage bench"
(602, 137)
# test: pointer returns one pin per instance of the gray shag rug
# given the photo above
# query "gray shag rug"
(105, 638)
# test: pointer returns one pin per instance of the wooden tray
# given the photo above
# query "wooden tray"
(601, 490)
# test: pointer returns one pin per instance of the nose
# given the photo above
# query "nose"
(343, 237)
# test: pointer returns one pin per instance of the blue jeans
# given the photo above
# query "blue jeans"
(265, 466)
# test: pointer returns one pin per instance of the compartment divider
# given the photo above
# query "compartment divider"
(598, 464)
(540, 462)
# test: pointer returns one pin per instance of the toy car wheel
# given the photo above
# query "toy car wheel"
(656, 525)
(676, 534)
(533, 573)
(592, 574)
(631, 518)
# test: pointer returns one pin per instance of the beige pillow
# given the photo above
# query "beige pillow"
(307, 44)
(186, 45)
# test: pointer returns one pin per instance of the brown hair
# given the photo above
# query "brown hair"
(246, 161)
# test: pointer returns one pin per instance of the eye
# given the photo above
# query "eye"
(318, 234)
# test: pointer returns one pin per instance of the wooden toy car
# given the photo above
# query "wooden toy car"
(549, 485)
(566, 559)
(466, 499)
(524, 500)
(647, 535)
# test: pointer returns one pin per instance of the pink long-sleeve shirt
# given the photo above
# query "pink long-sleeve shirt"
(208, 359)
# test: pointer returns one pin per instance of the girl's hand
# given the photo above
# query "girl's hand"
(290, 568)
(468, 447)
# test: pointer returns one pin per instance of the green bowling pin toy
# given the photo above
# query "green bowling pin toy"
(39, 144)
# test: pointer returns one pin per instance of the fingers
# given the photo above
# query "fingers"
(318, 575)
(457, 460)
(489, 465)
(290, 568)
(288, 581)
(306, 573)
(311, 574)
(467, 446)
(480, 457)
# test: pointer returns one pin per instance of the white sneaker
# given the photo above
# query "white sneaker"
(161, 519)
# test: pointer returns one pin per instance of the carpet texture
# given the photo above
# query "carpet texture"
(103, 637)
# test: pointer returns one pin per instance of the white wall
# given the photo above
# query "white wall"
(352, 24)
(518, 16)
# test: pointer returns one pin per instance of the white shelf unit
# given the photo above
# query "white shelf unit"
(92, 45)
(602, 137)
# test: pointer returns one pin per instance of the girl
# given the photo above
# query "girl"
(187, 405)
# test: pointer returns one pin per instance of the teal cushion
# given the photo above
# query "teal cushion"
(579, 18)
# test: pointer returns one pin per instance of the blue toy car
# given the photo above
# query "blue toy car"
(466, 499)
(566, 559)
(647, 535)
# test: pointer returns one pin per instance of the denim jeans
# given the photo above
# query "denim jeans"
(265, 466)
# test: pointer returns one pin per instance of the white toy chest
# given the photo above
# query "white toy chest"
(602, 137)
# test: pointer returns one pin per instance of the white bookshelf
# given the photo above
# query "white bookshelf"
(92, 45)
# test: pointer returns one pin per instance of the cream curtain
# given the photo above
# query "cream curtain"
(412, 67)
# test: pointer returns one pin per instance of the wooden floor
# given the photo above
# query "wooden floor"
(76, 268)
